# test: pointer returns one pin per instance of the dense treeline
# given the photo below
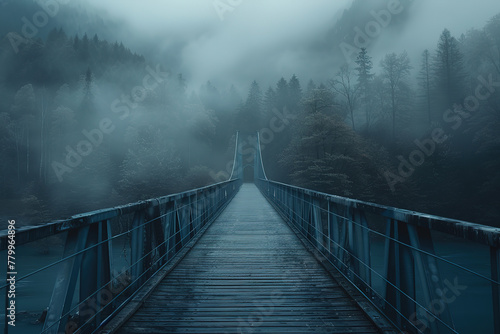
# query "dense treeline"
(430, 137)
(87, 124)
(418, 134)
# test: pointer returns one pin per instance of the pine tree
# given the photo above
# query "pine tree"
(235, 99)
(76, 43)
(87, 107)
(84, 51)
(282, 95)
(209, 96)
(311, 86)
(326, 155)
(425, 81)
(294, 93)
(270, 100)
(492, 54)
(249, 118)
(365, 76)
(318, 100)
(448, 70)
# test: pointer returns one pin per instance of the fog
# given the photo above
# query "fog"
(255, 39)
(428, 19)
(392, 102)
(269, 39)
(176, 80)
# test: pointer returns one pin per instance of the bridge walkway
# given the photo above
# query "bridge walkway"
(249, 273)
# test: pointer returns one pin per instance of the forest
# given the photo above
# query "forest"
(86, 123)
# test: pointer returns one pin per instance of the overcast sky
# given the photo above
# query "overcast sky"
(267, 39)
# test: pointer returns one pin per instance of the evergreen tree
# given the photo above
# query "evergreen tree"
(320, 99)
(270, 100)
(328, 156)
(425, 82)
(493, 52)
(234, 99)
(209, 96)
(448, 71)
(365, 76)
(311, 86)
(76, 43)
(295, 94)
(250, 114)
(87, 106)
(84, 52)
(282, 94)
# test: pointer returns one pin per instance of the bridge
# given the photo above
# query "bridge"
(263, 257)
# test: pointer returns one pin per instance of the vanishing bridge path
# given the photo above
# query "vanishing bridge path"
(249, 273)
(262, 257)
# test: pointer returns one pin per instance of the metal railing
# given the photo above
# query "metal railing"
(426, 274)
(106, 256)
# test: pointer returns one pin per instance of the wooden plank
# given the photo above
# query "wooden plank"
(249, 273)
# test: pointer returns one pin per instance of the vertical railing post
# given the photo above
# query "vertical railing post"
(7, 276)
(148, 240)
(361, 246)
(137, 246)
(400, 274)
(426, 269)
(67, 277)
(329, 235)
(317, 223)
(104, 265)
(169, 219)
(495, 289)
(154, 238)
(95, 273)
(349, 245)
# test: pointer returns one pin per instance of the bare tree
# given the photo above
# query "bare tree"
(425, 81)
(396, 69)
(343, 84)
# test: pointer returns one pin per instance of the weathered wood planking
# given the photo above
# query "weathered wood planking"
(249, 274)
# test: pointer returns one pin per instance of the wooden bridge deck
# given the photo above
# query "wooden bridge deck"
(249, 273)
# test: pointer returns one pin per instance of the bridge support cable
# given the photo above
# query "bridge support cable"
(108, 255)
(237, 170)
(259, 172)
(399, 260)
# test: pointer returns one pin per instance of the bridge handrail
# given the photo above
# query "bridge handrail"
(410, 290)
(159, 230)
(338, 228)
(88, 289)
(27, 234)
(483, 234)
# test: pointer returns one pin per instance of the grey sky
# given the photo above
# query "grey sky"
(267, 39)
